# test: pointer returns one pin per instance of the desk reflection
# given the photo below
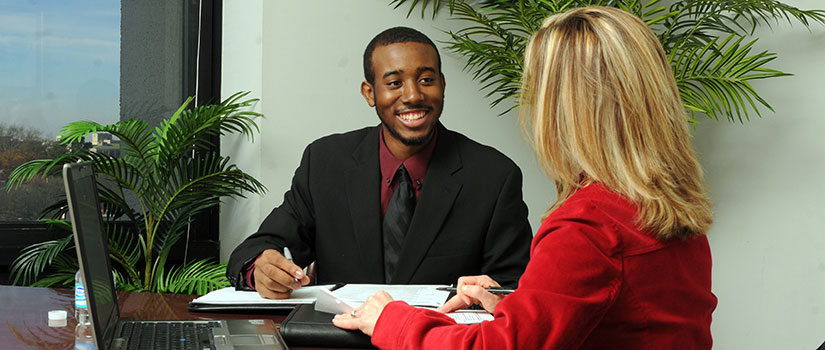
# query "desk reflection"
(25, 314)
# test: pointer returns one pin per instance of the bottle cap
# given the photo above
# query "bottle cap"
(57, 318)
(57, 315)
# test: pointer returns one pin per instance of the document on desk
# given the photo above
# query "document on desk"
(423, 295)
(470, 316)
(228, 299)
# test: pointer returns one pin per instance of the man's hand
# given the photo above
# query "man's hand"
(366, 315)
(470, 290)
(276, 277)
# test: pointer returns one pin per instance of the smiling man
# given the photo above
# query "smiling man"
(407, 201)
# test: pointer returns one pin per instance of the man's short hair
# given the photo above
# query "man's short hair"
(392, 36)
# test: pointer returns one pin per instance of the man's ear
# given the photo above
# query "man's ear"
(368, 93)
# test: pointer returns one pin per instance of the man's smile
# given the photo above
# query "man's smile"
(412, 119)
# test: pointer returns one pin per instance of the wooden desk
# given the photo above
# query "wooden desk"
(24, 314)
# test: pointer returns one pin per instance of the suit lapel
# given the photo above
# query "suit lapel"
(437, 196)
(362, 184)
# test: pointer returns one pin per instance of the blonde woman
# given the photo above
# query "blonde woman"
(621, 260)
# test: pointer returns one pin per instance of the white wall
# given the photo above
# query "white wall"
(766, 182)
(304, 61)
(242, 59)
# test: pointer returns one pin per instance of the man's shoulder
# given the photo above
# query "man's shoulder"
(474, 152)
(344, 140)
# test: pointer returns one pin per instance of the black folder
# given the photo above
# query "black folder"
(306, 327)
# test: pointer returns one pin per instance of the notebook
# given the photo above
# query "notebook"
(112, 332)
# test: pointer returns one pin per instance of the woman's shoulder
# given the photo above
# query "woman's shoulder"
(608, 219)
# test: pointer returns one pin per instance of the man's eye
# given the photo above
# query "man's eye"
(394, 83)
(427, 80)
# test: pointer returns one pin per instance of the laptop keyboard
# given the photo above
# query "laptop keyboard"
(169, 335)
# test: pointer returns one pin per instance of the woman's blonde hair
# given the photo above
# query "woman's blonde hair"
(600, 104)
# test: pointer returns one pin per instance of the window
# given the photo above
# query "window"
(97, 60)
(60, 62)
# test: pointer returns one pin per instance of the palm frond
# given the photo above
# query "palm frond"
(494, 53)
(35, 258)
(58, 224)
(714, 79)
(199, 277)
(56, 279)
(206, 176)
(56, 210)
(124, 249)
(707, 19)
(434, 4)
(64, 268)
(115, 206)
(43, 168)
(194, 128)
(119, 170)
(133, 133)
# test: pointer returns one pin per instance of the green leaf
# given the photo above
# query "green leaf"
(713, 80)
(199, 277)
(35, 258)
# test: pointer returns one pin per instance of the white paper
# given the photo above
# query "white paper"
(470, 316)
(423, 295)
(330, 303)
(230, 296)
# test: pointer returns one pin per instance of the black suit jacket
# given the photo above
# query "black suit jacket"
(470, 217)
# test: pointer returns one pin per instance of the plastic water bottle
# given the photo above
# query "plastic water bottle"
(83, 337)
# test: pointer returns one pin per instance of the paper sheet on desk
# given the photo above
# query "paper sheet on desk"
(413, 294)
(470, 316)
(230, 296)
(467, 316)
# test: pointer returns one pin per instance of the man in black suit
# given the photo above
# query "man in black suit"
(464, 213)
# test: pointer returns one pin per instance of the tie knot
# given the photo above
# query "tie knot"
(402, 175)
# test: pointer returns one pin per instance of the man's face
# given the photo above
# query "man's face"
(408, 93)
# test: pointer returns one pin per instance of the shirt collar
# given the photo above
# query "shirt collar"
(416, 165)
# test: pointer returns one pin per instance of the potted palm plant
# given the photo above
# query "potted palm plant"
(163, 177)
(707, 41)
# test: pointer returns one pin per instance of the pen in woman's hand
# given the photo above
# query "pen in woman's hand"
(494, 290)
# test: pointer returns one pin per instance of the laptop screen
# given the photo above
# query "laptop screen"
(92, 248)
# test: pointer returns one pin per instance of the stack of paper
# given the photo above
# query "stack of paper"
(230, 296)
(422, 295)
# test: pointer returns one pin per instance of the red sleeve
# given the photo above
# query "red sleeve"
(569, 284)
(249, 271)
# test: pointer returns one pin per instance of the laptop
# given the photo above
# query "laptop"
(112, 332)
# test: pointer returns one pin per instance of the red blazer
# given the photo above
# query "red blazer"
(594, 281)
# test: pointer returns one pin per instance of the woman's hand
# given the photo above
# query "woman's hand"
(366, 315)
(470, 290)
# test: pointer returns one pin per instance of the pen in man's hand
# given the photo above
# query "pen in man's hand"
(288, 256)
(494, 290)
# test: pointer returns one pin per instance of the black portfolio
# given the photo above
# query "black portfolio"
(306, 327)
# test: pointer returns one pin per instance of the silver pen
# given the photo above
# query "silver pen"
(288, 256)
(494, 290)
